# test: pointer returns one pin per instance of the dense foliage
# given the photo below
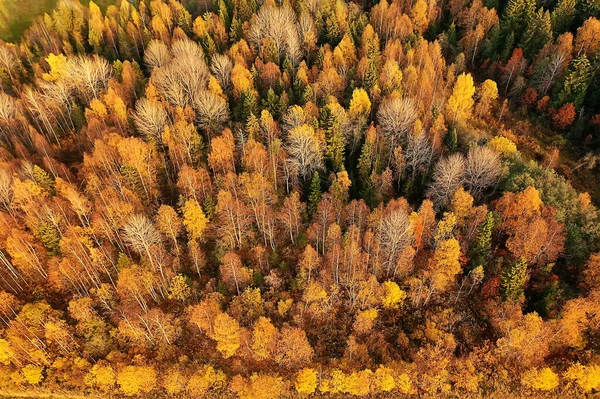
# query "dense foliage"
(299, 198)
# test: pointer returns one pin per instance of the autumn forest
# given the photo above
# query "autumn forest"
(269, 199)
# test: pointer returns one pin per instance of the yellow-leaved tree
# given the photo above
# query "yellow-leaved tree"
(134, 380)
(175, 381)
(587, 377)
(58, 67)
(6, 353)
(364, 321)
(543, 379)
(444, 265)
(33, 374)
(206, 379)
(383, 380)
(487, 92)
(193, 219)
(264, 339)
(306, 381)
(392, 296)
(360, 104)
(460, 103)
(101, 376)
(227, 334)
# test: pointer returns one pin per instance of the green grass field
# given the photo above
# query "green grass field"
(17, 15)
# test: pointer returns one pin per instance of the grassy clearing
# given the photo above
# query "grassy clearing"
(18, 15)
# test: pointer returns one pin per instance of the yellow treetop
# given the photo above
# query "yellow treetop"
(174, 381)
(227, 334)
(460, 103)
(264, 339)
(134, 380)
(393, 296)
(445, 265)
(462, 204)
(193, 219)
(543, 379)
(364, 321)
(33, 374)
(5, 352)
(306, 381)
(206, 379)
(587, 377)
(284, 305)
(383, 380)
(58, 67)
(101, 376)
(241, 78)
(503, 145)
(360, 104)
(418, 15)
(487, 92)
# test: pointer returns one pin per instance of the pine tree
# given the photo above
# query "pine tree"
(576, 82)
(300, 90)
(563, 16)
(537, 34)
(513, 280)
(506, 44)
(374, 62)
(134, 182)
(272, 103)
(223, 12)
(364, 161)
(517, 15)
(451, 140)
(335, 139)
(43, 179)
(248, 105)
(483, 242)
(236, 31)
(332, 30)
(252, 127)
(368, 191)
(314, 196)
(50, 236)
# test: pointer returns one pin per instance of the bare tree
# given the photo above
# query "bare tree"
(212, 111)
(305, 151)
(58, 97)
(294, 117)
(307, 30)
(483, 169)
(157, 54)
(556, 65)
(447, 178)
(8, 112)
(220, 67)
(8, 107)
(396, 116)
(419, 154)
(6, 190)
(89, 75)
(279, 25)
(39, 113)
(141, 234)
(150, 119)
(8, 60)
(184, 76)
(395, 235)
